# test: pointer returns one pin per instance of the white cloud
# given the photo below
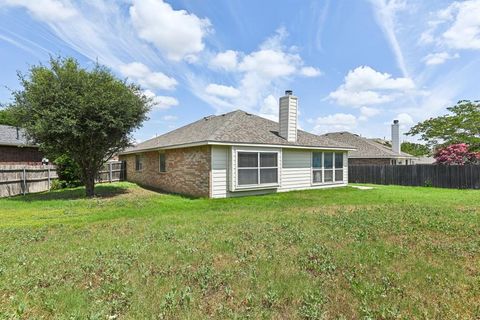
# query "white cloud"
(45, 10)
(310, 72)
(169, 118)
(227, 60)
(270, 63)
(369, 112)
(404, 118)
(335, 122)
(221, 90)
(385, 14)
(364, 86)
(176, 33)
(269, 108)
(457, 26)
(161, 102)
(464, 32)
(144, 76)
(439, 58)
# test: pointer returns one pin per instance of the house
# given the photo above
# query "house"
(374, 151)
(237, 154)
(16, 149)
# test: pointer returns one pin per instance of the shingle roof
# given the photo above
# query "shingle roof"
(11, 136)
(365, 148)
(234, 127)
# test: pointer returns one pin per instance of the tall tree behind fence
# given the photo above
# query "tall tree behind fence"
(442, 176)
(23, 179)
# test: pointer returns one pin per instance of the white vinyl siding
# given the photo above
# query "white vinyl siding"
(219, 171)
(295, 172)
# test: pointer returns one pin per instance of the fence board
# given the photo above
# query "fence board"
(458, 177)
(21, 179)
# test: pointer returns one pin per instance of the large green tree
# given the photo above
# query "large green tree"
(87, 115)
(415, 149)
(6, 117)
(462, 125)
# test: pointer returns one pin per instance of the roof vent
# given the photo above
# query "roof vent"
(395, 121)
(288, 92)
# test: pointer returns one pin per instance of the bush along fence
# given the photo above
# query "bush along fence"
(430, 175)
(23, 179)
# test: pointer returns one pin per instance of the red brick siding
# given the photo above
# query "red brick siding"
(187, 171)
(20, 155)
(368, 161)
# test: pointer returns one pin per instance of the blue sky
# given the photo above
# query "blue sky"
(355, 65)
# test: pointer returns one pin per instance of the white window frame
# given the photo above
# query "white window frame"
(322, 169)
(160, 163)
(258, 185)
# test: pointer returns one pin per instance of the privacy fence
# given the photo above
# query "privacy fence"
(21, 179)
(442, 176)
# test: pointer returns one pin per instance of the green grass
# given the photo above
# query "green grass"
(388, 253)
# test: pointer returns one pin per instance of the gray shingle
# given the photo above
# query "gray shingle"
(10, 137)
(365, 148)
(234, 127)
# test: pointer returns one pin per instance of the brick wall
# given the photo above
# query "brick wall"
(20, 155)
(373, 161)
(187, 171)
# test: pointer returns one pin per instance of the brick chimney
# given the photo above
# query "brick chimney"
(288, 116)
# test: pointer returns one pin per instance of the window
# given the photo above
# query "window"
(257, 168)
(317, 165)
(327, 167)
(162, 162)
(338, 166)
(138, 163)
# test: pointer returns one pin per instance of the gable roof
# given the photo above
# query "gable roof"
(236, 127)
(12, 136)
(365, 148)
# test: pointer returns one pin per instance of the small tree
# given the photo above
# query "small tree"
(460, 126)
(86, 115)
(457, 154)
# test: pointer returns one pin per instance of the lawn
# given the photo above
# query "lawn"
(387, 253)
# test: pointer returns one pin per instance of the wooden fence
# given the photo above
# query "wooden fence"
(443, 176)
(20, 179)
(23, 179)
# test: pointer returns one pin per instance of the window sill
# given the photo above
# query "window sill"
(327, 183)
(256, 187)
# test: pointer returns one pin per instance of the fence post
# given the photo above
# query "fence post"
(110, 171)
(24, 181)
(49, 179)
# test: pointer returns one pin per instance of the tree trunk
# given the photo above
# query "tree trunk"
(90, 185)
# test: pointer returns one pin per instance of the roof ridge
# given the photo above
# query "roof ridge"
(221, 130)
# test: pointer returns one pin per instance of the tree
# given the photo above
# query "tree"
(415, 149)
(7, 118)
(86, 115)
(461, 126)
(457, 154)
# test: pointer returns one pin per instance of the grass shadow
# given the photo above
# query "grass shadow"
(102, 191)
(161, 191)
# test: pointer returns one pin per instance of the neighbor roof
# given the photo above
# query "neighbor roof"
(12, 136)
(236, 127)
(365, 148)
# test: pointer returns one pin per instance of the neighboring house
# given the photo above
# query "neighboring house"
(16, 149)
(238, 153)
(374, 151)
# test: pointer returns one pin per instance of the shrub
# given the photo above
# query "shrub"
(68, 173)
(457, 154)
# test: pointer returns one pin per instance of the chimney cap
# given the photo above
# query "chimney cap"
(288, 92)
(395, 121)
